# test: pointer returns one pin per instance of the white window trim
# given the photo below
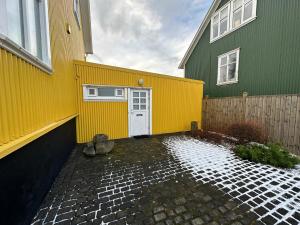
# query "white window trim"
(95, 97)
(9, 45)
(231, 29)
(120, 89)
(236, 71)
(77, 13)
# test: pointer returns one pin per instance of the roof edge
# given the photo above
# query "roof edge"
(199, 33)
(86, 26)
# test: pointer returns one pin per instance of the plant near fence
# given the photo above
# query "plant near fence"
(271, 154)
(247, 132)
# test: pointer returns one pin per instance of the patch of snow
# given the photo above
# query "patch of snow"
(259, 186)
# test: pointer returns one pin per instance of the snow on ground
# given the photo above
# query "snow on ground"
(271, 193)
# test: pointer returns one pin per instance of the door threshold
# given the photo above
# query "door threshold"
(141, 136)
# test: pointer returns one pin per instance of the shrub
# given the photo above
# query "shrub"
(210, 136)
(271, 154)
(247, 132)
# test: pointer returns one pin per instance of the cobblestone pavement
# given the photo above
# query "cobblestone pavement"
(272, 194)
(141, 183)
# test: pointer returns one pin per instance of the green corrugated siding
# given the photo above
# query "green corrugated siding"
(269, 55)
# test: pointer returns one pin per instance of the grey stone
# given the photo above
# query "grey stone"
(98, 138)
(178, 219)
(158, 209)
(197, 221)
(180, 201)
(160, 216)
(169, 222)
(170, 212)
(180, 209)
(90, 144)
(89, 151)
(104, 147)
(207, 198)
(187, 216)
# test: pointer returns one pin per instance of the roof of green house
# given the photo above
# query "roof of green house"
(200, 32)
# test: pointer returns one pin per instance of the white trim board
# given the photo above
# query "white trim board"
(199, 33)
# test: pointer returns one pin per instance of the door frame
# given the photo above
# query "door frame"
(149, 89)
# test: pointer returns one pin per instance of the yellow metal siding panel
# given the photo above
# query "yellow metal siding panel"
(175, 102)
(32, 99)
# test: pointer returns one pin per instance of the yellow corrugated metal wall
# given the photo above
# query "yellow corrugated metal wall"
(30, 99)
(175, 102)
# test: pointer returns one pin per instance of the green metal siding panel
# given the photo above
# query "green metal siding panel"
(269, 53)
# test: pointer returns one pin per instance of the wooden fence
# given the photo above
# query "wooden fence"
(278, 115)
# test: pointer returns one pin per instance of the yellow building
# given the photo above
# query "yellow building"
(125, 103)
(50, 98)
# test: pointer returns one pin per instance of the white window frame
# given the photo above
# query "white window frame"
(218, 14)
(21, 51)
(219, 83)
(230, 28)
(95, 97)
(76, 10)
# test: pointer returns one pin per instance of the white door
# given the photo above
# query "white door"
(139, 112)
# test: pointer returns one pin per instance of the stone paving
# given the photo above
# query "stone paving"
(272, 194)
(142, 182)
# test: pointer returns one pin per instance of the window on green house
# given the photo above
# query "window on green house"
(232, 16)
(228, 65)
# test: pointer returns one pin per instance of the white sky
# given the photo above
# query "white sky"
(146, 35)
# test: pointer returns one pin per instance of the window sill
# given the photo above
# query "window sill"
(229, 32)
(227, 83)
(105, 100)
(12, 47)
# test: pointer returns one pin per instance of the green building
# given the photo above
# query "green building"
(248, 46)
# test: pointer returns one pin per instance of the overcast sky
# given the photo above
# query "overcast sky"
(150, 35)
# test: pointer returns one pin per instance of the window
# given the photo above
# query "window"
(25, 24)
(232, 16)
(139, 100)
(220, 22)
(77, 11)
(104, 93)
(228, 65)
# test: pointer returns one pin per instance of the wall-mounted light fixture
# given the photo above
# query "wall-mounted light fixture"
(68, 28)
(141, 82)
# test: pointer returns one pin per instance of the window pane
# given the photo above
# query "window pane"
(143, 100)
(237, 4)
(216, 19)
(34, 28)
(237, 18)
(223, 26)
(224, 60)
(215, 30)
(120, 92)
(224, 13)
(136, 94)
(92, 92)
(143, 107)
(143, 94)
(14, 15)
(136, 100)
(223, 73)
(248, 11)
(106, 91)
(232, 58)
(136, 107)
(231, 71)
